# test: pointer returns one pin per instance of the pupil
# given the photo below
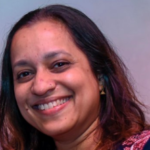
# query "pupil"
(60, 64)
(26, 73)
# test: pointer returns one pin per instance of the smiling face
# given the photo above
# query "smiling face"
(55, 88)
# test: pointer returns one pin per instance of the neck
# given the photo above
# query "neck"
(87, 140)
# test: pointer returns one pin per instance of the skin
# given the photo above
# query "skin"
(47, 65)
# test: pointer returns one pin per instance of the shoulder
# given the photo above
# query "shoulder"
(139, 141)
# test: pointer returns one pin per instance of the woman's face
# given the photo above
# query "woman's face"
(55, 88)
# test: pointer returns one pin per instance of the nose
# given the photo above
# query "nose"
(43, 83)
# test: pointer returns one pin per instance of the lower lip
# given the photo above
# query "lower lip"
(54, 110)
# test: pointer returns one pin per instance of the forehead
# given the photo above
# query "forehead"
(40, 27)
(41, 38)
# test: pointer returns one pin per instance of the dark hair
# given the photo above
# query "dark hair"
(120, 116)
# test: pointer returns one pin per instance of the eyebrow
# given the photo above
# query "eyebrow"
(55, 54)
(49, 55)
(21, 63)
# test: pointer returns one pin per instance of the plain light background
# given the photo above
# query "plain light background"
(125, 23)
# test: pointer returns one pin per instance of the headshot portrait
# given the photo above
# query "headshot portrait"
(64, 86)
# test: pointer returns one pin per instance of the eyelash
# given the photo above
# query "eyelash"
(56, 67)
(23, 74)
(60, 64)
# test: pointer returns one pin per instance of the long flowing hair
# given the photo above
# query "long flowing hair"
(120, 115)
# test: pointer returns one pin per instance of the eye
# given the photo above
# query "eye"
(60, 64)
(24, 76)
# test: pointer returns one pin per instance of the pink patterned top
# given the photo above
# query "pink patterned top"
(137, 142)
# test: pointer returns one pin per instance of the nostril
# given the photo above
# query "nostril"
(43, 86)
(52, 85)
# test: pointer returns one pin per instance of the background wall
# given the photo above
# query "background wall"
(125, 23)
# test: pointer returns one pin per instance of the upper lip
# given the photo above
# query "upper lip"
(50, 99)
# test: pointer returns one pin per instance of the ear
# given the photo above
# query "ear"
(100, 87)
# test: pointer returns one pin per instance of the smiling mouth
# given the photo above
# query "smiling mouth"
(51, 104)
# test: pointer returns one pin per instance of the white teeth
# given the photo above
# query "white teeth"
(64, 101)
(61, 101)
(58, 102)
(41, 107)
(46, 106)
(52, 104)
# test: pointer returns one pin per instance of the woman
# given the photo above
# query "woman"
(64, 88)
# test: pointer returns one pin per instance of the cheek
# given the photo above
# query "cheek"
(79, 78)
(84, 85)
(20, 94)
(73, 80)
